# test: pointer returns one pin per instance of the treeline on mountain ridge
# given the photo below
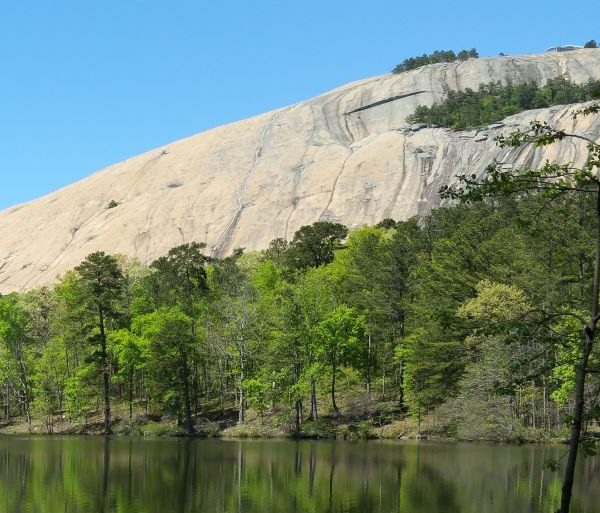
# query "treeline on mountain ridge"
(435, 57)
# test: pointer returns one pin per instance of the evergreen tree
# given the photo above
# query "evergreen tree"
(102, 282)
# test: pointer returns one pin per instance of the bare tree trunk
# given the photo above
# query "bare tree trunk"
(533, 413)
(401, 384)
(298, 425)
(7, 394)
(105, 375)
(314, 411)
(298, 403)
(369, 367)
(588, 343)
(26, 394)
(333, 373)
(575, 438)
(195, 387)
(130, 394)
(545, 419)
(383, 380)
(242, 398)
(189, 424)
(581, 277)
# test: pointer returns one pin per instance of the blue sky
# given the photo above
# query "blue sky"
(85, 84)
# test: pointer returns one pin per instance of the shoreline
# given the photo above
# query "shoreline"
(399, 431)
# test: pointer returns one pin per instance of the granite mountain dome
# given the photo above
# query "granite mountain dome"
(347, 155)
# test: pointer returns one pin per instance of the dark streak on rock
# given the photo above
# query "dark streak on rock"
(381, 102)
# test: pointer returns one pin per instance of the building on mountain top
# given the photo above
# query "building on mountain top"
(564, 48)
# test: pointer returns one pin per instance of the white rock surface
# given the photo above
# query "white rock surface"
(244, 184)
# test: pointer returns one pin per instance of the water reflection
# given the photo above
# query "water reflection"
(87, 475)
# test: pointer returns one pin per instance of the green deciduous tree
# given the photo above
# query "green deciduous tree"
(130, 352)
(484, 404)
(364, 275)
(167, 333)
(288, 350)
(340, 335)
(15, 344)
(237, 310)
(51, 375)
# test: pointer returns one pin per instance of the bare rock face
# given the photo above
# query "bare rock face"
(346, 156)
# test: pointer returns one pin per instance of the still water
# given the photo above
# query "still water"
(89, 475)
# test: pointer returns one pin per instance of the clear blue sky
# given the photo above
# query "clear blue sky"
(84, 84)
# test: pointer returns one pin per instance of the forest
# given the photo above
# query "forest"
(493, 102)
(464, 323)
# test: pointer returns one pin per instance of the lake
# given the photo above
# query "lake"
(88, 475)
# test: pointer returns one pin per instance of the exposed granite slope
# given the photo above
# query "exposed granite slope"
(346, 155)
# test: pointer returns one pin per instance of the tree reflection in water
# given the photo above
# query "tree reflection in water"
(88, 475)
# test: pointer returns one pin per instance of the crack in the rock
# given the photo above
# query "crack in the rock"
(77, 229)
(241, 205)
(382, 102)
(390, 209)
(335, 183)
(297, 176)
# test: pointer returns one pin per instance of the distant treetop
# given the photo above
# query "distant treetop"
(591, 44)
(434, 58)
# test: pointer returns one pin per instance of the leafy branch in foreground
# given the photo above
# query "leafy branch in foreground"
(554, 180)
